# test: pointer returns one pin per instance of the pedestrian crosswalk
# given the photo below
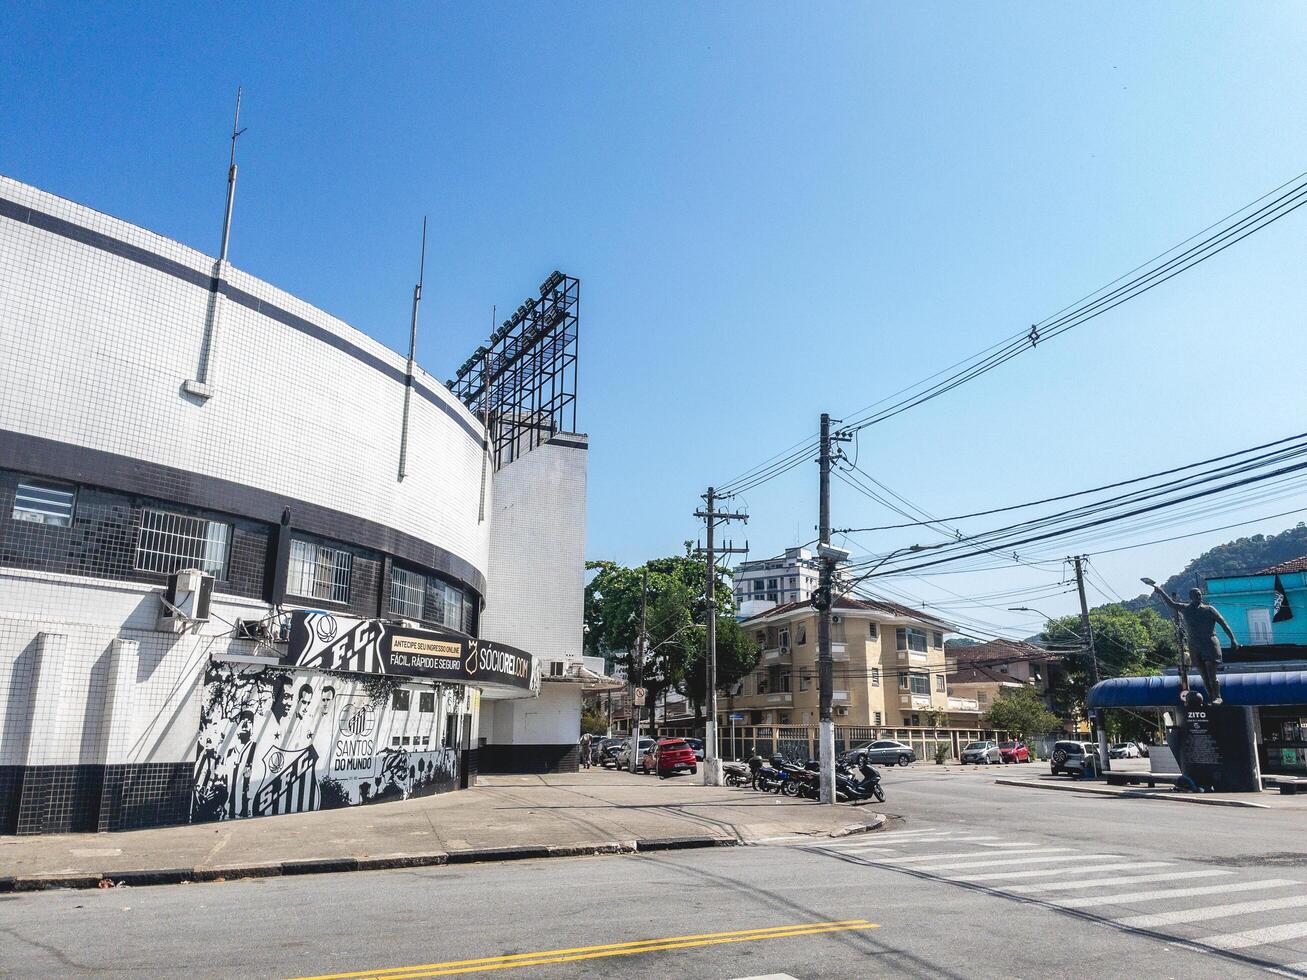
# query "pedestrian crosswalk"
(1257, 917)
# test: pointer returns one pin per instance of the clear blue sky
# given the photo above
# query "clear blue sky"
(775, 210)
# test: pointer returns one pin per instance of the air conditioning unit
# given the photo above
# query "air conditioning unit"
(834, 619)
(186, 599)
(253, 629)
(841, 712)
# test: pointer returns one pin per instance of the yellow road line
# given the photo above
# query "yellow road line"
(543, 957)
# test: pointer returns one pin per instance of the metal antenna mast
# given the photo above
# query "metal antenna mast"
(412, 353)
(231, 180)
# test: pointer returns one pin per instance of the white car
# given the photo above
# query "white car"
(1124, 750)
(982, 753)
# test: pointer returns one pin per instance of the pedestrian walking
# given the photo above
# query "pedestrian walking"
(586, 739)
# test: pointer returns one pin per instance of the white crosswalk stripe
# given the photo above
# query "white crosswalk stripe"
(966, 855)
(1051, 872)
(910, 842)
(1005, 862)
(1256, 937)
(1122, 899)
(1186, 916)
(1133, 893)
(1127, 880)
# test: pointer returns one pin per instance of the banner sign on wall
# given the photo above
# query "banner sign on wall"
(275, 741)
(324, 641)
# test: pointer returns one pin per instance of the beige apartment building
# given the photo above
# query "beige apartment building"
(890, 669)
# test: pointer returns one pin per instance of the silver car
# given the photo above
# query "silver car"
(982, 753)
(885, 752)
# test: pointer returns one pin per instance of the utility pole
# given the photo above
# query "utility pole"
(641, 644)
(822, 601)
(1087, 627)
(712, 763)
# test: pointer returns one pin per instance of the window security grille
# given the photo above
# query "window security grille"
(44, 503)
(170, 542)
(319, 572)
(407, 590)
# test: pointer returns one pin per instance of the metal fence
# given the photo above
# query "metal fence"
(798, 743)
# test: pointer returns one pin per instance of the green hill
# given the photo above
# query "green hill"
(1239, 557)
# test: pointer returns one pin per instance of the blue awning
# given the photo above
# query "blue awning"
(1250, 690)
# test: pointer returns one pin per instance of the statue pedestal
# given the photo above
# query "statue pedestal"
(1215, 747)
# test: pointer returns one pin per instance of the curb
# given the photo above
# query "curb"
(1131, 794)
(310, 866)
(860, 828)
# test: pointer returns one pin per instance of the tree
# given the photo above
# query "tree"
(676, 604)
(737, 656)
(1019, 711)
(593, 721)
(1126, 643)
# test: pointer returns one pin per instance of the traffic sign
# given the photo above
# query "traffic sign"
(639, 697)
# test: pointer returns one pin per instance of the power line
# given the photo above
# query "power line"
(1120, 290)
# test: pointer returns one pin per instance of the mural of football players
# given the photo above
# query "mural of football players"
(281, 699)
(239, 763)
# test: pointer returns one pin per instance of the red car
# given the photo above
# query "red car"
(669, 756)
(1014, 751)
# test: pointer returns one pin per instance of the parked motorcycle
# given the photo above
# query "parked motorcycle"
(771, 776)
(862, 783)
(736, 774)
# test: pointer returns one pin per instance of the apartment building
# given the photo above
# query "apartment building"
(889, 667)
(790, 577)
(983, 671)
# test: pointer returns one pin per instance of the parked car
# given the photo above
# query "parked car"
(983, 753)
(624, 753)
(1014, 751)
(1124, 750)
(608, 750)
(697, 745)
(669, 756)
(884, 751)
(1073, 758)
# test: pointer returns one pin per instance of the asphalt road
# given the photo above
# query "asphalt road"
(976, 880)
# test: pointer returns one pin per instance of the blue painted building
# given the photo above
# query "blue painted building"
(1266, 608)
(1267, 612)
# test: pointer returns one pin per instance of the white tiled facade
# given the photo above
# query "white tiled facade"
(103, 351)
(95, 349)
(536, 592)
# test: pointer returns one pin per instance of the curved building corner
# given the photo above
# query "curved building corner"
(218, 597)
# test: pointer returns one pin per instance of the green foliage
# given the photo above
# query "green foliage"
(1019, 711)
(942, 752)
(676, 602)
(1238, 557)
(593, 721)
(737, 655)
(1127, 643)
(1138, 725)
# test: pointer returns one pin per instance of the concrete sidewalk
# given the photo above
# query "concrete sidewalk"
(1255, 801)
(505, 817)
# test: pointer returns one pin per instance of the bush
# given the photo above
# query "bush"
(942, 752)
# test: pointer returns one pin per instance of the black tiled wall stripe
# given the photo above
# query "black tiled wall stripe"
(76, 464)
(134, 253)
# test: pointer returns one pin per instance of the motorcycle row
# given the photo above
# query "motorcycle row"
(852, 783)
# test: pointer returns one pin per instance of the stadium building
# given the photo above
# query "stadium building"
(254, 562)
